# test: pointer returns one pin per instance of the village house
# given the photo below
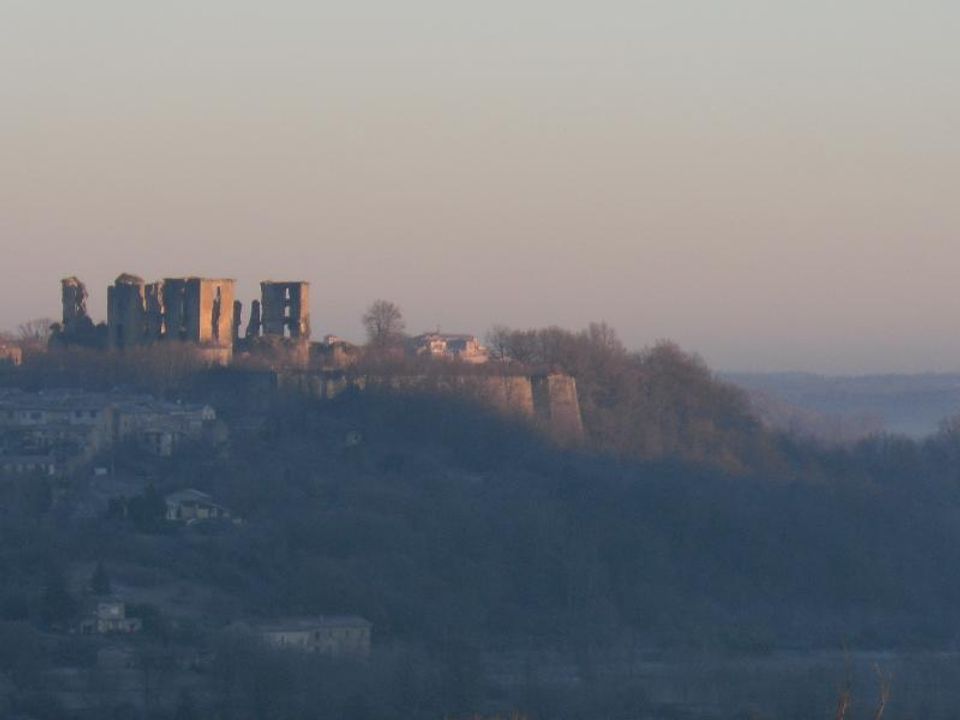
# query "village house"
(160, 427)
(73, 426)
(110, 617)
(28, 465)
(190, 506)
(68, 426)
(451, 346)
(334, 636)
(10, 354)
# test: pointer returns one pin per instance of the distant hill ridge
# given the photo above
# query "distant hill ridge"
(909, 404)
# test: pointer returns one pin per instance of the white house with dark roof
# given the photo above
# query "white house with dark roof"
(451, 346)
(190, 506)
(332, 635)
(110, 617)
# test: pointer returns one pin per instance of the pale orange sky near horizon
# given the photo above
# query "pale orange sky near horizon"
(770, 184)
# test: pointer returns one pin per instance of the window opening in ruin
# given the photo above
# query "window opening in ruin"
(216, 314)
(181, 313)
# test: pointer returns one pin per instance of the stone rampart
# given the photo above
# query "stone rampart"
(557, 405)
(550, 401)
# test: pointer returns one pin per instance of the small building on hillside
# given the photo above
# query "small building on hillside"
(109, 618)
(451, 346)
(69, 425)
(334, 353)
(28, 465)
(334, 636)
(190, 506)
(10, 354)
(160, 427)
(73, 426)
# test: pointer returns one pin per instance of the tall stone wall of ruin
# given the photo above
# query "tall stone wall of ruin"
(510, 394)
(285, 308)
(181, 307)
(193, 310)
(126, 312)
(216, 312)
(557, 405)
(199, 310)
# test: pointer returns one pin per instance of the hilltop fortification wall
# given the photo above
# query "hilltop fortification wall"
(557, 406)
(203, 315)
(550, 401)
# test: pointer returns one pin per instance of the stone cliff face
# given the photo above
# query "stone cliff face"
(549, 401)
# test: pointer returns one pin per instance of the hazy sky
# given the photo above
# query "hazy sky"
(771, 184)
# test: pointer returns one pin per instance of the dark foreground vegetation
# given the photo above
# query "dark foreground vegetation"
(500, 572)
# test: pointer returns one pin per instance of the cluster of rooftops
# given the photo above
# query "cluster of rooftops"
(55, 430)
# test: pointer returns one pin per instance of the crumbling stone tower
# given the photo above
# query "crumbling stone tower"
(73, 295)
(76, 327)
(126, 312)
(191, 309)
(199, 310)
(285, 309)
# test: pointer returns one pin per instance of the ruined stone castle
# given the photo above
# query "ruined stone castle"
(201, 312)
(204, 315)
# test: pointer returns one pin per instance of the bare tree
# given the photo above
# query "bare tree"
(37, 330)
(384, 324)
(498, 340)
(604, 337)
(33, 335)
